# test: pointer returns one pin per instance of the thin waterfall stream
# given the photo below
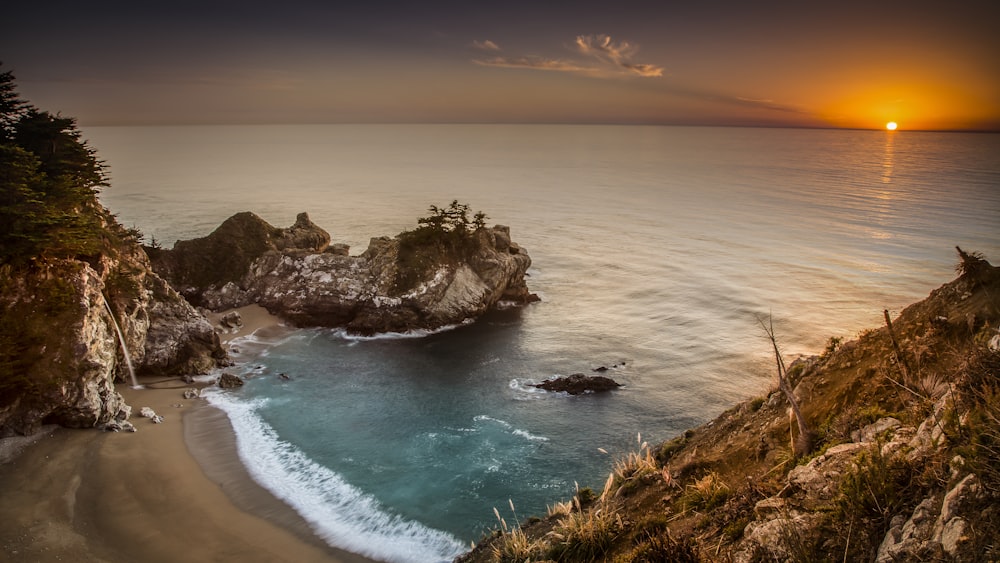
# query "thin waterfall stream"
(121, 339)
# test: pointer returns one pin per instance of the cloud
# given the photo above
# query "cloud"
(607, 59)
(486, 45)
(603, 48)
(765, 104)
(534, 63)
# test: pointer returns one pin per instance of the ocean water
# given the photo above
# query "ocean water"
(655, 249)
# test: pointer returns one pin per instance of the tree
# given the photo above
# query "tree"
(11, 106)
(446, 235)
(49, 179)
(803, 444)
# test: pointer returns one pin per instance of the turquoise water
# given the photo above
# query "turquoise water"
(652, 246)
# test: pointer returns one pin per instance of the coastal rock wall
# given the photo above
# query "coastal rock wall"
(65, 356)
(301, 278)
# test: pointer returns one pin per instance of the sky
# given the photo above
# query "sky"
(855, 64)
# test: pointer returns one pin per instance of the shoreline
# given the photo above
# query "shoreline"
(171, 491)
(86, 495)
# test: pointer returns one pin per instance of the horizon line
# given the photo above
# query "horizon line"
(546, 123)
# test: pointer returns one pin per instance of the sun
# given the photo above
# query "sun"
(891, 126)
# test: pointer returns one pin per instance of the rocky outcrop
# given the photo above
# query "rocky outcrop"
(229, 381)
(226, 254)
(66, 354)
(578, 384)
(291, 273)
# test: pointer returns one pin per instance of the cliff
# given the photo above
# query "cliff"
(904, 465)
(67, 266)
(62, 354)
(425, 281)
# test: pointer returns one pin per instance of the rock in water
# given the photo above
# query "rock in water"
(397, 285)
(229, 381)
(578, 384)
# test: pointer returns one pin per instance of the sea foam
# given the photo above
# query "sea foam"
(344, 516)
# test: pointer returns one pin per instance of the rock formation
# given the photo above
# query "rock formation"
(297, 275)
(70, 278)
(578, 384)
(68, 356)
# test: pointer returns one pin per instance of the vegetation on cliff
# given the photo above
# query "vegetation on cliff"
(443, 237)
(65, 264)
(49, 180)
(903, 465)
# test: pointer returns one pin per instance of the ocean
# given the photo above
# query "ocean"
(655, 250)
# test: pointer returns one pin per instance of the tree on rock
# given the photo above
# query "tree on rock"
(444, 236)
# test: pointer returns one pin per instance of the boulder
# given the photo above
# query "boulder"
(579, 383)
(229, 381)
(232, 319)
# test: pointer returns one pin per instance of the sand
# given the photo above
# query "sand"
(87, 495)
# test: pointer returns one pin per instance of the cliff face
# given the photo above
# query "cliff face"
(61, 256)
(63, 352)
(905, 466)
(295, 274)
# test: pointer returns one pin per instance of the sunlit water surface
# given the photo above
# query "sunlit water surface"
(653, 246)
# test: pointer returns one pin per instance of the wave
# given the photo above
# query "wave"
(506, 425)
(418, 333)
(341, 514)
(524, 389)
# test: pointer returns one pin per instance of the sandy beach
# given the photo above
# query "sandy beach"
(174, 491)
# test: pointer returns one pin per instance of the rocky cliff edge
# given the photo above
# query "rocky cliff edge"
(905, 465)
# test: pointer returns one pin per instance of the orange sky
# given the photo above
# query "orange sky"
(925, 65)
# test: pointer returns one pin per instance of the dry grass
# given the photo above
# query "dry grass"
(513, 545)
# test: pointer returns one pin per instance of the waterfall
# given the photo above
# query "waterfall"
(121, 338)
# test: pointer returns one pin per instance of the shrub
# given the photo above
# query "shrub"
(878, 488)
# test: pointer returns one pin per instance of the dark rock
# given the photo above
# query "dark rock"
(579, 383)
(226, 254)
(229, 381)
(338, 249)
(232, 319)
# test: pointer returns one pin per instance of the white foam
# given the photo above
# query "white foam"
(530, 436)
(420, 333)
(524, 389)
(338, 512)
(509, 426)
(483, 417)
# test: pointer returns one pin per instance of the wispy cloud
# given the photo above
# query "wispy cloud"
(486, 45)
(534, 63)
(766, 104)
(605, 58)
(620, 54)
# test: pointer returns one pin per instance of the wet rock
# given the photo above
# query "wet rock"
(191, 393)
(579, 383)
(229, 381)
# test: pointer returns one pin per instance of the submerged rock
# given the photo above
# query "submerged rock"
(579, 383)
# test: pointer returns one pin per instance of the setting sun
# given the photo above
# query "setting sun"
(891, 126)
